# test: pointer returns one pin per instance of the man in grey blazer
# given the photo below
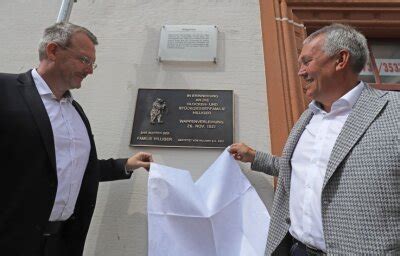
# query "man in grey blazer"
(338, 186)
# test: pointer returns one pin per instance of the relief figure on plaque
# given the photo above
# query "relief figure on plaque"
(158, 109)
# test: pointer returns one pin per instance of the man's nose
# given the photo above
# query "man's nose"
(302, 71)
(89, 70)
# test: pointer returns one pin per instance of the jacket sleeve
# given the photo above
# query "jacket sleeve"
(113, 169)
(266, 163)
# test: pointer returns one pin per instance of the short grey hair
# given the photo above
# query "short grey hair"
(343, 37)
(61, 33)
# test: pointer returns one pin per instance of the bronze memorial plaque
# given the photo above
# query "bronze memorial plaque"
(183, 118)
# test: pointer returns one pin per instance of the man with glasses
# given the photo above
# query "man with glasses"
(50, 171)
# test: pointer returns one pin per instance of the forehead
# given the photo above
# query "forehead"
(312, 48)
(81, 42)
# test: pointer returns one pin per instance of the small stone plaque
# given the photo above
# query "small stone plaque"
(183, 118)
(188, 43)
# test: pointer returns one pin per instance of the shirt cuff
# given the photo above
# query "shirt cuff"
(128, 170)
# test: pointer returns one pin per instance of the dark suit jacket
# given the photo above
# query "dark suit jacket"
(28, 182)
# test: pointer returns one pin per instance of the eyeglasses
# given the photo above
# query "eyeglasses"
(82, 58)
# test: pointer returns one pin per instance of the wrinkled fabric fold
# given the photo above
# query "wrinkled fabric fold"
(220, 214)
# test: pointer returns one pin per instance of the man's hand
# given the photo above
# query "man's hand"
(141, 159)
(242, 152)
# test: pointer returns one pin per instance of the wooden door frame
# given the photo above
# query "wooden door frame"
(375, 19)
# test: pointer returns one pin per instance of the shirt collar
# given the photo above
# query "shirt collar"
(44, 89)
(348, 100)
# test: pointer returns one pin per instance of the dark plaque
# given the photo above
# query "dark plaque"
(183, 118)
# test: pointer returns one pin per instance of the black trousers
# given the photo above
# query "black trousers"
(289, 246)
(284, 247)
(54, 245)
(53, 242)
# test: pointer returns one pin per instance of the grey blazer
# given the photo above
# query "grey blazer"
(361, 190)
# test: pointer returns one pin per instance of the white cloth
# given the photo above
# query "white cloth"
(72, 148)
(219, 215)
(309, 163)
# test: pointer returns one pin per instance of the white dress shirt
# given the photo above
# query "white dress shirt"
(72, 148)
(309, 162)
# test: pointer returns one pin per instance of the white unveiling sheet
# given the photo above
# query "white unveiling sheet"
(220, 214)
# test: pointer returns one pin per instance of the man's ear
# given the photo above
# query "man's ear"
(343, 60)
(51, 50)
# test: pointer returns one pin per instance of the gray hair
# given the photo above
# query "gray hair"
(343, 37)
(61, 33)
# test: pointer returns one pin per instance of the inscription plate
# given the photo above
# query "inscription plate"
(183, 118)
(188, 43)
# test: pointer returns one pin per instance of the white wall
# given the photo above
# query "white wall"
(128, 33)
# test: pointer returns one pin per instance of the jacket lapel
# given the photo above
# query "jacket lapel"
(93, 154)
(29, 92)
(365, 111)
(294, 137)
